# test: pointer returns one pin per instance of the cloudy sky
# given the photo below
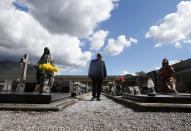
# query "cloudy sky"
(132, 35)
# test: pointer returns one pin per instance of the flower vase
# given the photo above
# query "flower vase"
(45, 88)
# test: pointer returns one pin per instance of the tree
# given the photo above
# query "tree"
(140, 73)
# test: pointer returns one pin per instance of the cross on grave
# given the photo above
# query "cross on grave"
(24, 63)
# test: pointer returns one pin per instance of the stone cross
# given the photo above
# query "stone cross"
(24, 63)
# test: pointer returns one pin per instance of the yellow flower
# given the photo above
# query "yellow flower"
(56, 69)
(48, 67)
(45, 66)
(40, 67)
(51, 68)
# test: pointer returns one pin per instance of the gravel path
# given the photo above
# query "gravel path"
(104, 115)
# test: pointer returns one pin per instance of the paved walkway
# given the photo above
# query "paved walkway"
(104, 115)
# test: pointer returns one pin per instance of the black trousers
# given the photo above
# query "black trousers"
(96, 87)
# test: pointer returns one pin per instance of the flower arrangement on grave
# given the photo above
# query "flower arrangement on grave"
(119, 79)
(47, 70)
(77, 84)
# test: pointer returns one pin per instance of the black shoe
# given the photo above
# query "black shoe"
(98, 99)
(93, 98)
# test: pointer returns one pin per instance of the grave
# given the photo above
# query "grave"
(152, 97)
(181, 98)
(25, 91)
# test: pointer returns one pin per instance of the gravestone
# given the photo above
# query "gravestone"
(20, 87)
(150, 88)
(130, 90)
(7, 86)
(23, 66)
(136, 90)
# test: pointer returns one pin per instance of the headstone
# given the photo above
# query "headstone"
(131, 90)
(150, 87)
(76, 89)
(24, 63)
(7, 86)
(1, 86)
(136, 90)
(20, 87)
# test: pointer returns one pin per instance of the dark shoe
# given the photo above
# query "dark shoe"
(98, 99)
(93, 98)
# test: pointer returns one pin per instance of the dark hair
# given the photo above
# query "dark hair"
(99, 54)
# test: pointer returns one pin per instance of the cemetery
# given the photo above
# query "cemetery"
(144, 91)
(66, 94)
(54, 93)
(95, 65)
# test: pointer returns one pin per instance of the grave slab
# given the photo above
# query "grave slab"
(180, 98)
(151, 107)
(52, 106)
(31, 97)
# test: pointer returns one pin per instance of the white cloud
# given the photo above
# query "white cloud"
(57, 24)
(97, 39)
(74, 17)
(174, 28)
(133, 40)
(115, 47)
(126, 72)
(21, 33)
(157, 68)
(178, 45)
(172, 62)
(158, 45)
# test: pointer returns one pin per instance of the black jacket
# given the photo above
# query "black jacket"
(97, 69)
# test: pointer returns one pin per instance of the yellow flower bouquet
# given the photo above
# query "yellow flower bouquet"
(48, 70)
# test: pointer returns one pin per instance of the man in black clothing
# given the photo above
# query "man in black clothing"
(97, 72)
